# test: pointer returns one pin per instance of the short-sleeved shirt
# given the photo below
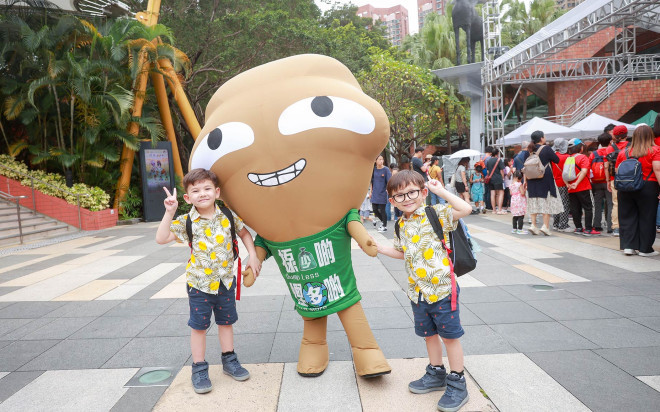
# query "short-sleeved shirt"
(417, 167)
(646, 161)
(435, 172)
(519, 159)
(379, 180)
(212, 257)
(558, 168)
(459, 175)
(582, 162)
(318, 269)
(426, 262)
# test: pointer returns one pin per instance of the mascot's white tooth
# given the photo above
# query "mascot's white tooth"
(253, 178)
(286, 177)
(270, 182)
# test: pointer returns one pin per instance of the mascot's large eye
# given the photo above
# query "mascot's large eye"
(326, 111)
(222, 140)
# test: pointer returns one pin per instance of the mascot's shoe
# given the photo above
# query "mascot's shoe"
(433, 380)
(456, 394)
(200, 377)
(232, 367)
(312, 360)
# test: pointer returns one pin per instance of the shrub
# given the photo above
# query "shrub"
(92, 198)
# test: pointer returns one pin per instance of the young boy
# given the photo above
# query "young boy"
(209, 272)
(430, 282)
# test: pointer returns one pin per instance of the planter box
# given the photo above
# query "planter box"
(58, 208)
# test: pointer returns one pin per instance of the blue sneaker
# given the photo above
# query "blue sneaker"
(232, 367)
(433, 380)
(200, 377)
(456, 394)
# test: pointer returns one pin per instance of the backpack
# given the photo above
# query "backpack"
(628, 177)
(533, 167)
(462, 252)
(598, 169)
(225, 210)
(611, 157)
(571, 170)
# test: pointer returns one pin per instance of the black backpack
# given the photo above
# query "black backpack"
(611, 157)
(461, 254)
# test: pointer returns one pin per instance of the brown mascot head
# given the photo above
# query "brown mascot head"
(293, 143)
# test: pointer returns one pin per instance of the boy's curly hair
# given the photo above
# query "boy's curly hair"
(197, 175)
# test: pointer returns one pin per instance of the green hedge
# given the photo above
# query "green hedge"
(97, 200)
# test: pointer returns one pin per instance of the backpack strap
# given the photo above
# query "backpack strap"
(225, 210)
(397, 227)
(432, 217)
(189, 231)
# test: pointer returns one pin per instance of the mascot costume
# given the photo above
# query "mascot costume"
(293, 144)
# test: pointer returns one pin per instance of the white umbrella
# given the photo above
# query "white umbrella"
(549, 129)
(593, 125)
(465, 153)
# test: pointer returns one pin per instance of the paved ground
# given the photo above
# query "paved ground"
(79, 319)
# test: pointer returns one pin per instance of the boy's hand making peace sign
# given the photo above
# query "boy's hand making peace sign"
(171, 203)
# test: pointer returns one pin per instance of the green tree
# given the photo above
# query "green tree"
(411, 100)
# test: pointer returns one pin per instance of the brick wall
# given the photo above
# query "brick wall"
(59, 209)
(561, 95)
(627, 96)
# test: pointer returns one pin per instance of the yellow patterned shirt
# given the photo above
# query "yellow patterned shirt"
(212, 258)
(426, 261)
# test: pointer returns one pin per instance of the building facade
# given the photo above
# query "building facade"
(394, 18)
(567, 4)
(425, 7)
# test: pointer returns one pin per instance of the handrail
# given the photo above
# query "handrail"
(9, 197)
(34, 201)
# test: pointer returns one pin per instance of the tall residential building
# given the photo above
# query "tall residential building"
(425, 7)
(394, 18)
(567, 4)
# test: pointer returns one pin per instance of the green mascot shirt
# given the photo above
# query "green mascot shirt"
(318, 269)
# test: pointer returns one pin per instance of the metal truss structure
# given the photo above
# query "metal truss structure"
(531, 61)
(101, 7)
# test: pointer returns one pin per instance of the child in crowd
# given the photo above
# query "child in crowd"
(432, 286)
(365, 210)
(209, 273)
(518, 203)
(477, 190)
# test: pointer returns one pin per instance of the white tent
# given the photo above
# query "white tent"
(551, 131)
(593, 125)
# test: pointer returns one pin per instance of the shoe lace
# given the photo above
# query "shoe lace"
(202, 375)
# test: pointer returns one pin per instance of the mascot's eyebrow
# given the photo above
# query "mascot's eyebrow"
(326, 111)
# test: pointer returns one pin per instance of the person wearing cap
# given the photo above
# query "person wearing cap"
(619, 135)
(560, 220)
(637, 208)
(579, 190)
(599, 188)
(542, 194)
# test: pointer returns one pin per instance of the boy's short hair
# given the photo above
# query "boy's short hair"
(604, 139)
(403, 179)
(197, 175)
(419, 149)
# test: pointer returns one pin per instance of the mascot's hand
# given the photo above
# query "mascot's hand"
(359, 233)
(248, 277)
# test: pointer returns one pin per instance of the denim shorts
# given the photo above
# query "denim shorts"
(222, 305)
(437, 318)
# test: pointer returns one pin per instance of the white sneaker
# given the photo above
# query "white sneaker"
(514, 231)
(654, 253)
(382, 229)
(629, 252)
(534, 230)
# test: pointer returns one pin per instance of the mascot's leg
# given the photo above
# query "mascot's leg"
(368, 358)
(313, 356)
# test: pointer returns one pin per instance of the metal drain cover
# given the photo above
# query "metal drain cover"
(152, 377)
(543, 288)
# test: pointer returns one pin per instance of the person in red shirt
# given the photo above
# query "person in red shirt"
(560, 220)
(619, 134)
(637, 209)
(600, 177)
(579, 190)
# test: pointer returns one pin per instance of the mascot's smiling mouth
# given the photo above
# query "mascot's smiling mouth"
(279, 177)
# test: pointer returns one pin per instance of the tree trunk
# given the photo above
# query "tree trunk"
(524, 105)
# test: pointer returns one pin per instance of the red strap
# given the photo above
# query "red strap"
(453, 277)
(238, 276)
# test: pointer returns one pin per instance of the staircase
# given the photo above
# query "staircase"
(34, 225)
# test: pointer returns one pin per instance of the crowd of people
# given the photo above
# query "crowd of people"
(566, 180)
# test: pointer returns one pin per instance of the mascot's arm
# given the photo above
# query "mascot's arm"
(359, 233)
(248, 275)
